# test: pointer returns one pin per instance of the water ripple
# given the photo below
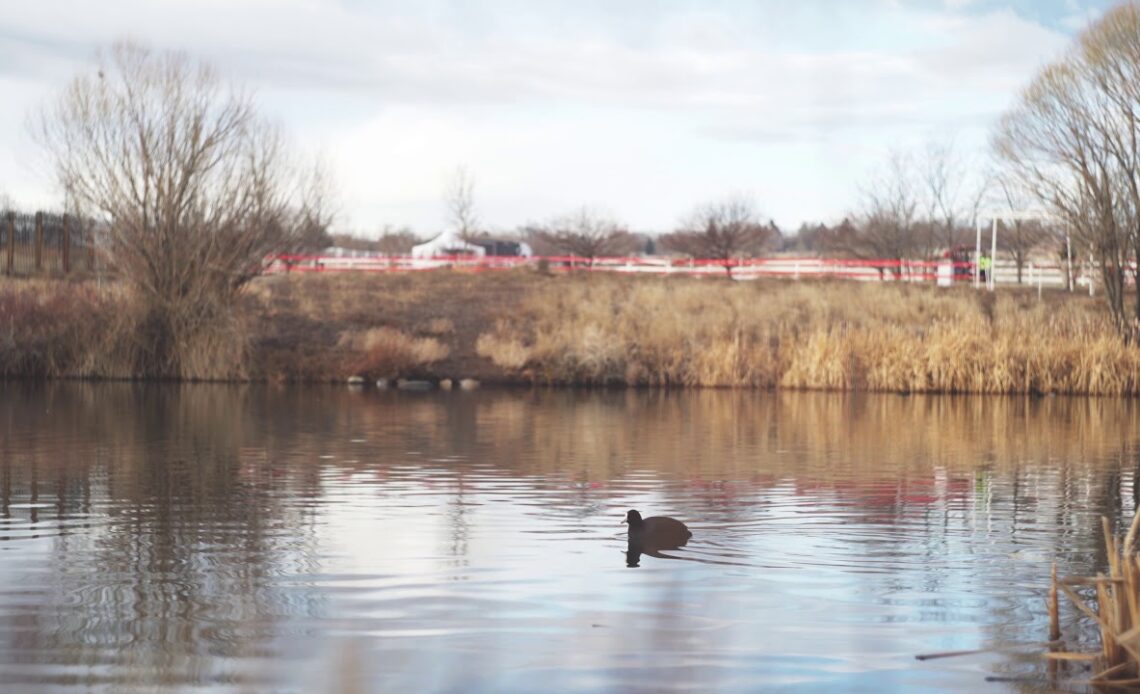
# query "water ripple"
(255, 539)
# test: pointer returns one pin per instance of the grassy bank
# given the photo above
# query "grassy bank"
(599, 329)
(831, 335)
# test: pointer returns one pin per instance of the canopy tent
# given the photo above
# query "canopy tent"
(447, 243)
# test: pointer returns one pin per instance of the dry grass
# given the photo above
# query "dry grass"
(388, 353)
(438, 327)
(300, 320)
(505, 351)
(594, 328)
(55, 329)
(46, 327)
(831, 335)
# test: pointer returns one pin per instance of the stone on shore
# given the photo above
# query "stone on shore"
(409, 384)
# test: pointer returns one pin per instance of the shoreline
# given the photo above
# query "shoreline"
(525, 329)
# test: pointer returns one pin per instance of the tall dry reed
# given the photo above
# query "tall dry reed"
(829, 335)
(586, 329)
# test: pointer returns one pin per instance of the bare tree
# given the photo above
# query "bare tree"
(399, 241)
(723, 231)
(1021, 237)
(888, 225)
(585, 233)
(839, 239)
(951, 195)
(315, 216)
(1071, 141)
(353, 241)
(391, 241)
(459, 196)
(914, 207)
(193, 185)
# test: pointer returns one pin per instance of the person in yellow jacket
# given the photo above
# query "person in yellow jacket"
(985, 265)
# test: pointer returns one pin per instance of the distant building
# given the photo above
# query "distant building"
(503, 247)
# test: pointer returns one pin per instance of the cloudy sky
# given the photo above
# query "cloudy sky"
(642, 108)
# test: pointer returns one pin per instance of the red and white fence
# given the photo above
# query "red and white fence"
(941, 271)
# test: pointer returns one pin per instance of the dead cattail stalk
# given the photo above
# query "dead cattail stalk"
(1116, 613)
(1072, 656)
(1011, 648)
(1054, 607)
(1112, 672)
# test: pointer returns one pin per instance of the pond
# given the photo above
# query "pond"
(323, 539)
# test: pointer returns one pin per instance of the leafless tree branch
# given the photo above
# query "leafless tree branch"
(1071, 141)
(193, 185)
(723, 230)
(585, 233)
(459, 196)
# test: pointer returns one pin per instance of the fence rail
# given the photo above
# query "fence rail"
(941, 271)
(43, 243)
(58, 244)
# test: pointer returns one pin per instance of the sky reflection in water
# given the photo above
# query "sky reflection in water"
(319, 539)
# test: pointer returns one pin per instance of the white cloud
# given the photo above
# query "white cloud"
(1079, 19)
(631, 106)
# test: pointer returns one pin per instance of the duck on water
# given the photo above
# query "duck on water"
(652, 535)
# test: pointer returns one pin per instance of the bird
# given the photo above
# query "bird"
(651, 535)
(656, 527)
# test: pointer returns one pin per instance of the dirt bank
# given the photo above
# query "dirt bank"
(527, 327)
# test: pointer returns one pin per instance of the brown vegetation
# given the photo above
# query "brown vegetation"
(1116, 598)
(301, 323)
(44, 326)
(838, 335)
(597, 329)
(387, 352)
(59, 330)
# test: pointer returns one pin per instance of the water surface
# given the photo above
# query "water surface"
(252, 538)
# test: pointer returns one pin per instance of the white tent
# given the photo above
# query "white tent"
(447, 243)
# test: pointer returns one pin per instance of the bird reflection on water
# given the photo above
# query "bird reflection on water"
(652, 536)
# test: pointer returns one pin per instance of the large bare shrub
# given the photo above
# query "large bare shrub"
(194, 186)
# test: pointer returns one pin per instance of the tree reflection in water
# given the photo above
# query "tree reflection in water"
(189, 535)
(167, 531)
